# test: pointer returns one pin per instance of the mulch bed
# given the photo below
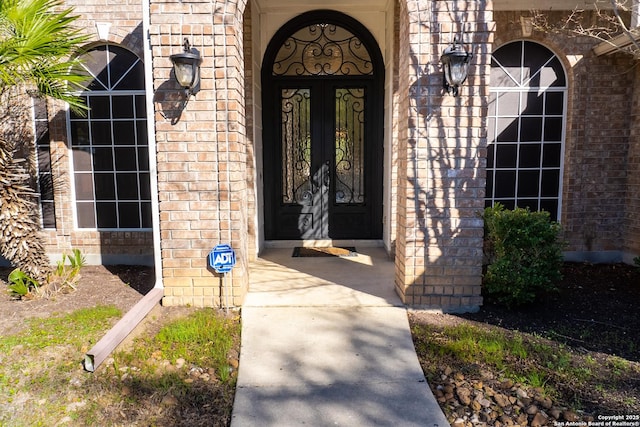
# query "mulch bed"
(596, 308)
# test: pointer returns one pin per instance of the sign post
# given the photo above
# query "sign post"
(222, 258)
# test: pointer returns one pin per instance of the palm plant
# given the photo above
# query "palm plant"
(37, 58)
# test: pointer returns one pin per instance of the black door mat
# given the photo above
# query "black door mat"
(305, 252)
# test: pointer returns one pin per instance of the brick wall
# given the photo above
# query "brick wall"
(632, 211)
(202, 153)
(442, 147)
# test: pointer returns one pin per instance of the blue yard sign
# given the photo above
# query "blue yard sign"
(222, 258)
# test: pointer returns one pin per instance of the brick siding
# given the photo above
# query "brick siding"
(442, 147)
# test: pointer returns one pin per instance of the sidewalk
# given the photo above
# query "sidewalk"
(325, 341)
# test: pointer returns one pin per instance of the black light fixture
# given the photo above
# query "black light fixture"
(455, 63)
(186, 68)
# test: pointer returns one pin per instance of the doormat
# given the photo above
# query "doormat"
(304, 252)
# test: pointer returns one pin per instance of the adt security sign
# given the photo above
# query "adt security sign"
(222, 258)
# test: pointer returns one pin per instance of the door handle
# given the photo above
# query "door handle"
(326, 180)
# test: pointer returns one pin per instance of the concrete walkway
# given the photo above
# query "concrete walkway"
(326, 342)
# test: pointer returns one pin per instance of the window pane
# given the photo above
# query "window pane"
(125, 159)
(122, 107)
(141, 129)
(143, 159)
(550, 183)
(505, 183)
(86, 215)
(127, 186)
(528, 183)
(100, 107)
(105, 186)
(551, 156)
(45, 184)
(106, 213)
(44, 158)
(134, 80)
(95, 61)
(507, 130)
(554, 104)
(124, 133)
(531, 129)
(550, 206)
(506, 155)
(553, 129)
(509, 104)
(141, 107)
(101, 133)
(79, 133)
(532, 104)
(509, 56)
(146, 215)
(102, 159)
(508, 204)
(532, 204)
(129, 214)
(74, 115)
(48, 215)
(529, 156)
(145, 192)
(553, 74)
(84, 186)
(82, 159)
(121, 66)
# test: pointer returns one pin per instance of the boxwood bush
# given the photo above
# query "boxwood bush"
(523, 255)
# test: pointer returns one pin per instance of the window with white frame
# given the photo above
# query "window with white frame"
(526, 128)
(44, 185)
(109, 145)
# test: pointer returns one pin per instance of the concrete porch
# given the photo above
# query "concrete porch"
(278, 279)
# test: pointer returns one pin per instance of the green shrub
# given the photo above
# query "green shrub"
(21, 285)
(523, 254)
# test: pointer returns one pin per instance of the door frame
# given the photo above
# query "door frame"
(271, 133)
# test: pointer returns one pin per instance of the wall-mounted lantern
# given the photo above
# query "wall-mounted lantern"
(186, 67)
(455, 63)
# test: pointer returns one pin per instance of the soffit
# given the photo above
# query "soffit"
(268, 6)
(382, 5)
(549, 4)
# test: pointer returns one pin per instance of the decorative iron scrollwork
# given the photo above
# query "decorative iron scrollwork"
(296, 146)
(322, 50)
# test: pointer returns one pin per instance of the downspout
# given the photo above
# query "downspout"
(151, 135)
(103, 348)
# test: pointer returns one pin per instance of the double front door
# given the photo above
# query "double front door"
(323, 160)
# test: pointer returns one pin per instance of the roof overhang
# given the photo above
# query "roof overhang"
(622, 42)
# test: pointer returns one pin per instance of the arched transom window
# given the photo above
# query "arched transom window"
(526, 123)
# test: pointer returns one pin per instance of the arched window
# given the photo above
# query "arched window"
(526, 128)
(109, 145)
